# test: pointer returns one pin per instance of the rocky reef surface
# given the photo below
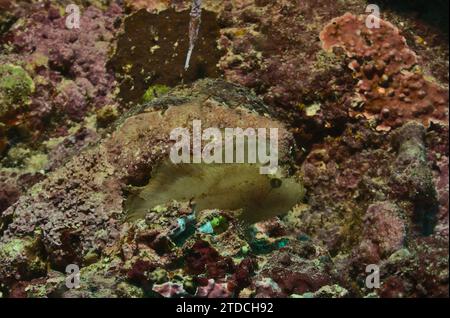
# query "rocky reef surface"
(86, 116)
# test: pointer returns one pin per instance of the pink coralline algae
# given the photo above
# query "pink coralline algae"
(384, 228)
(59, 77)
(169, 290)
(68, 65)
(390, 85)
(213, 290)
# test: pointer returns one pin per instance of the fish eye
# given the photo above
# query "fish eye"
(275, 183)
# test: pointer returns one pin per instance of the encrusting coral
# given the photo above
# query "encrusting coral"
(391, 87)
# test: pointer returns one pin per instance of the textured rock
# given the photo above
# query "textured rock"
(384, 227)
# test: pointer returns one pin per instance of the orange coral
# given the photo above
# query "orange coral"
(390, 85)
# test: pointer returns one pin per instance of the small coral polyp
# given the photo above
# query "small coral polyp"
(391, 84)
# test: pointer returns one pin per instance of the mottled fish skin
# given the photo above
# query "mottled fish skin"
(217, 186)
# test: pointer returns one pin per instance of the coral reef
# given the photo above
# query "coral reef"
(53, 78)
(85, 122)
(175, 251)
(67, 64)
(89, 220)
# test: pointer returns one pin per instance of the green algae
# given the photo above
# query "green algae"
(106, 115)
(14, 248)
(16, 86)
(159, 276)
(36, 291)
(22, 158)
(127, 290)
(154, 91)
(51, 287)
(327, 291)
(216, 225)
(23, 250)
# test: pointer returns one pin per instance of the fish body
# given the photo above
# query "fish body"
(217, 186)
